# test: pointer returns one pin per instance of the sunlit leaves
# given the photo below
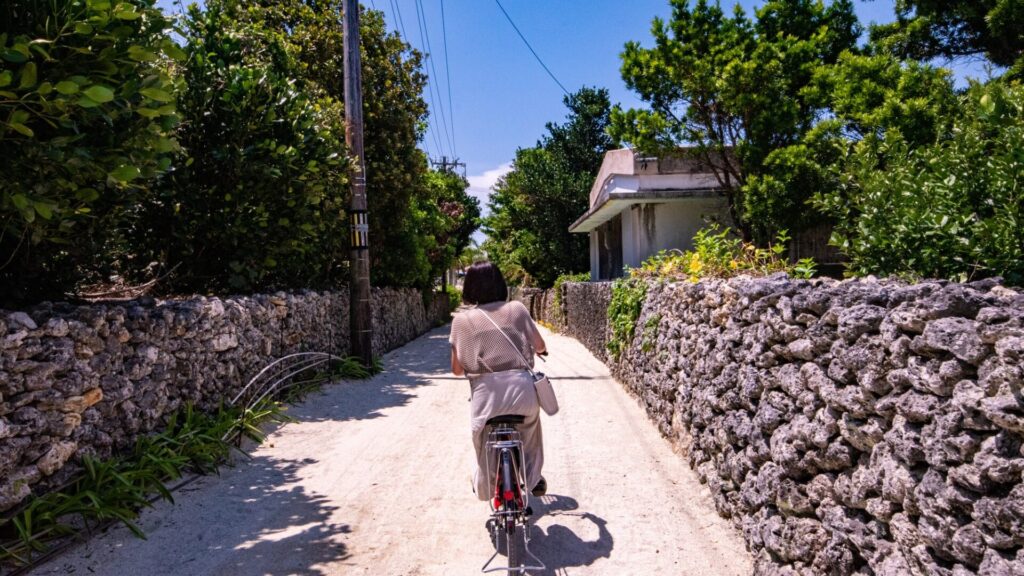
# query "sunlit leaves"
(68, 89)
(951, 208)
(733, 88)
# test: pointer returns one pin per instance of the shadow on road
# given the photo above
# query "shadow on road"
(405, 369)
(558, 547)
(287, 529)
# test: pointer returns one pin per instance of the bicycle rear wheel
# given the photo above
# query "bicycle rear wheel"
(513, 543)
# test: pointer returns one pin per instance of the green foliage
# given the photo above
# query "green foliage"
(734, 89)
(649, 338)
(117, 488)
(718, 253)
(929, 29)
(454, 296)
(546, 191)
(559, 295)
(86, 118)
(259, 201)
(869, 98)
(950, 209)
(628, 296)
(451, 216)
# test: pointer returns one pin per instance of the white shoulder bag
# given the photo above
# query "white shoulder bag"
(545, 393)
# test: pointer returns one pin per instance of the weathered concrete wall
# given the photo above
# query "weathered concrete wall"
(77, 380)
(854, 427)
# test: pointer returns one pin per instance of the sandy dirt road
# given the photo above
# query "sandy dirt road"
(374, 478)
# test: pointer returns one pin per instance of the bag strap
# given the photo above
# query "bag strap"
(526, 362)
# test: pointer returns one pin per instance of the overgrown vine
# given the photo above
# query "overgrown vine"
(628, 296)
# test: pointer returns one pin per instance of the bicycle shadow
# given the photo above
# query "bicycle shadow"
(558, 545)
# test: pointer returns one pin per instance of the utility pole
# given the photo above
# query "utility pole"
(449, 166)
(360, 315)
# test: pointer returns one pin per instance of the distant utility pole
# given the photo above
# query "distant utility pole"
(360, 315)
(445, 166)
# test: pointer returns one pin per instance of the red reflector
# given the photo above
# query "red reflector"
(509, 496)
(497, 503)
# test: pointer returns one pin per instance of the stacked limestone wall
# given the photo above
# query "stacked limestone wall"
(77, 380)
(854, 427)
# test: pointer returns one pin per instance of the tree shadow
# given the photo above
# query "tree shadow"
(255, 519)
(405, 369)
(287, 529)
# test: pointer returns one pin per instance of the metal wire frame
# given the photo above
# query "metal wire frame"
(277, 377)
(294, 363)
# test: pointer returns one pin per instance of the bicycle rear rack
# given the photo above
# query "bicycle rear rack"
(506, 437)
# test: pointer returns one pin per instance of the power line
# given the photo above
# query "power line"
(448, 78)
(429, 94)
(397, 10)
(532, 51)
(434, 90)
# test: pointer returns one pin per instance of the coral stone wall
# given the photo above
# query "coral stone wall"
(77, 380)
(541, 304)
(855, 427)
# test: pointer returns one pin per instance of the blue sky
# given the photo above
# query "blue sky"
(500, 96)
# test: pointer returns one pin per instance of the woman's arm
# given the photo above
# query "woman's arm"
(457, 368)
(539, 346)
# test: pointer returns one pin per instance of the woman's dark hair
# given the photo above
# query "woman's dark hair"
(484, 283)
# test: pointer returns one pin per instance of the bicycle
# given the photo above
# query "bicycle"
(510, 503)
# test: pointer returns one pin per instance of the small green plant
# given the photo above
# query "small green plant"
(628, 296)
(118, 488)
(559, 296)
(454, 297)
(718, 253)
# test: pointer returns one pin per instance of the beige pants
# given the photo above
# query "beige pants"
(496, 394)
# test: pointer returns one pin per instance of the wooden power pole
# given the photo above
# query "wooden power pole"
(360, 315)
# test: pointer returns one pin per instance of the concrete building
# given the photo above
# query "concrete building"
(639, 206)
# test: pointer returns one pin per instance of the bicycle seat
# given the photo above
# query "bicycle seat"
(506, 419)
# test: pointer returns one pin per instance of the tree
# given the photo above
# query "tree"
(263, 193)
(547, 189)
(394, 117)
(734, 89)
(86, 119)
(927, 29)
(869, 99)
(258, 201)
(457, 217)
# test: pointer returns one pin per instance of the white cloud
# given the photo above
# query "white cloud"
(480, 185)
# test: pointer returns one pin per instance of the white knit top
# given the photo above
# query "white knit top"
(481, 348)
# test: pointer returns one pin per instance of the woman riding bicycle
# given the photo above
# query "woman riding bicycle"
(499, 381)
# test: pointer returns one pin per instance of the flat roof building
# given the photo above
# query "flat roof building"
(641, 205)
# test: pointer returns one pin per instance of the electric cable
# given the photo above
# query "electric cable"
(448, 79)
(396, 7)
(532, 51)
(435, 90)
(425, 44)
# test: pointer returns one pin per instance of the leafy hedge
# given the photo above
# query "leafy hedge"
(214, 159)
(951, 209)
(258, 199)
(87, 112)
